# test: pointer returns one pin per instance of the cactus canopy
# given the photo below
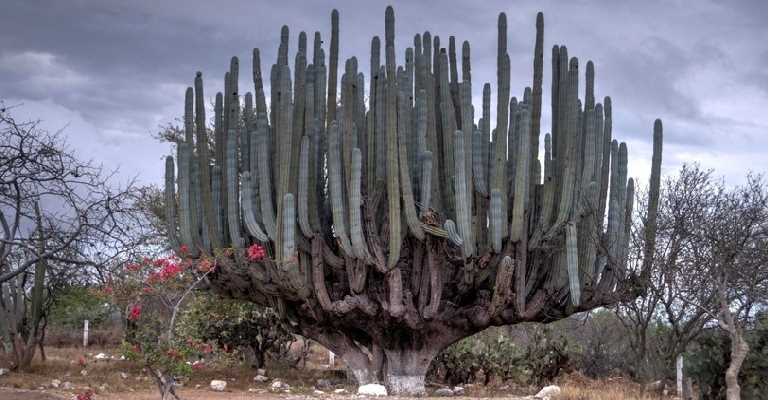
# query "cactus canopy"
(395, 228)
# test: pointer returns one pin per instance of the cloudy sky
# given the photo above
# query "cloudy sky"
(111, 72)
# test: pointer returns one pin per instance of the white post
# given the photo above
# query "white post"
(679, 375)
(85, 333)
(331, 359)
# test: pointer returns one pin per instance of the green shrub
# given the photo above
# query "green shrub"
(251, 330)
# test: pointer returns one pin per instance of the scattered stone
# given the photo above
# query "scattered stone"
(197, 386)
(55, 383)
(443, 392)
(66, 385)
(547, 392)
(261, 371)
(123, 375)
(340, 391)
(458, 390)
(319, 392)
(278, 385)
(261, 378)
(218, 386)
(84, 372)
(41, 388)
(372, 389)
(3, 371)
(323, 384)
(101, 356)
(104, 387)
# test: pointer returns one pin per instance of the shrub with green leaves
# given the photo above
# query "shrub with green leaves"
(496, 354)
(252, 330)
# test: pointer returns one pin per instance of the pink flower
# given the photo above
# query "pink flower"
(255, 252)
(133, 267)
(184, 249)
(169, 270)
(135, 313)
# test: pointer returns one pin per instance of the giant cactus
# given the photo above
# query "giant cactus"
(397, 227)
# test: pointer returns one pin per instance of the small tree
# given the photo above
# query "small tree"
(59, 216)
(155, 293)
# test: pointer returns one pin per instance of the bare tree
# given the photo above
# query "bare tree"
(61, 215)
(734, 258)
(710, 267)
(683, 206)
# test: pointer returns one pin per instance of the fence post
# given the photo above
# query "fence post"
(331, 359)
(679, 375)
(85, 333)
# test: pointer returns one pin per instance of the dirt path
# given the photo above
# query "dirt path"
(22, 394)
(202, 394)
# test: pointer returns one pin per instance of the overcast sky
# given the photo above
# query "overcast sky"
(111, 72)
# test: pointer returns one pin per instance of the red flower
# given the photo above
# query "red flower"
(169, 270)
(198, 365)
(255, 252)
(135, 313)
(184, 249)
(107, 290)
(133, 267)
(82, 361)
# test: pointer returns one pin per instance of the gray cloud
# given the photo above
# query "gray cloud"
(112, 71)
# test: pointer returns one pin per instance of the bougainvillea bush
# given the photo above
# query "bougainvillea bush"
(154, 293)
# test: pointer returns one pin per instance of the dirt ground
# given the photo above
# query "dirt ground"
(115, 379)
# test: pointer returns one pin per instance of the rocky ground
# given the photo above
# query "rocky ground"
(68, 373)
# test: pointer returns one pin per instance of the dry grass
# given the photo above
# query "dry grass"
(577, 387)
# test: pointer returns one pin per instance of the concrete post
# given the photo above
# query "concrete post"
(85, 333)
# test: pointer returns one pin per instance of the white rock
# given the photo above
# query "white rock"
(443, 392)
(372, 389)
(340, 391)
(3, 371)
(197, 386)
(261, 371)
(123, 375)
(276, 385)
(101, 356)
(66, 385)
(84, 372)
(458, 390)
(319, 392)
(548, 392)
(218, 386)
(261, 378)
(55, 383)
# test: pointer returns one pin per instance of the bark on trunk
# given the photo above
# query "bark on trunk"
(405, 370)
(738, 353)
